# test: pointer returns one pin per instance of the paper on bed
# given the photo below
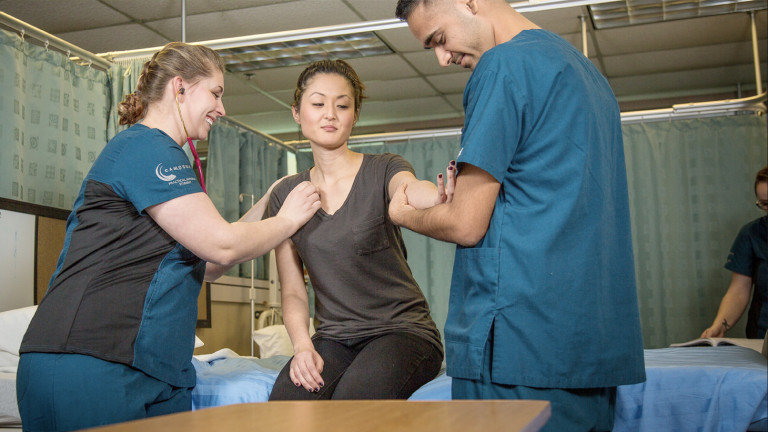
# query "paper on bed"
(753, 344)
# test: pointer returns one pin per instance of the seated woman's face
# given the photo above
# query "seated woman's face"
(327, 110)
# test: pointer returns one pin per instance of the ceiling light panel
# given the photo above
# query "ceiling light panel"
(280, 54)
(631, 12)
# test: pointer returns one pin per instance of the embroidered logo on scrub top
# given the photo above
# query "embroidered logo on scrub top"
(169, 174)
(164, 177)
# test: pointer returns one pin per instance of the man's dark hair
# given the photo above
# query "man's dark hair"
(405, 7)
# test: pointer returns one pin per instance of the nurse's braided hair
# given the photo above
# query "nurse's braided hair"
(190, 62)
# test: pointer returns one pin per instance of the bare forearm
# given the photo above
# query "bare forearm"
(248, 240)
(421, 194)
(440, 222)
(731, 308)
(238, 242)
(214, 271)
(296, 318)
(464, 220)
(242, 246)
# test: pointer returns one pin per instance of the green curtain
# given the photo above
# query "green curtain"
(690, 189)
(53, 117)
(124, 77)
(242, 162)
(304, 160)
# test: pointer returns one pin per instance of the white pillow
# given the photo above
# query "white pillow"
(198, 342)
(13, 325)
(274, 340)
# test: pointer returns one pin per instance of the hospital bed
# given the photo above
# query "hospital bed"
(687, 389)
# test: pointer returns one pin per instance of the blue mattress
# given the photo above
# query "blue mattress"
(687, 389)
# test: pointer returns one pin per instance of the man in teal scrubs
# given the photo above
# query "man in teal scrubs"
(543, 301)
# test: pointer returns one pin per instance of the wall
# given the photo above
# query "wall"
(230, 315)
(17, 259)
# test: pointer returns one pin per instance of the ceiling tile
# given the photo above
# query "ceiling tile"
(47, 15)
(426, 63)
(674, 34)
(244, 103)
(683, 82)
(115, 38)
(374, 10)
(271, 123)
(565, 20)
(399, 89)
(407, 110)
(381, 67)
(450, 83)
(153, 9)
(679, 60)
(271, 80)
(456, 101)
(401, 39)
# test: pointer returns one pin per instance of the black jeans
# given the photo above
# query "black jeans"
(389, 366)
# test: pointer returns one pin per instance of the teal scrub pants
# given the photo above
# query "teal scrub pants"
(63, 392)
(590, 409)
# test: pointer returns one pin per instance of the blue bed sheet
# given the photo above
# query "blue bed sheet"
(688, 389)
(697, 389)
(233, 380)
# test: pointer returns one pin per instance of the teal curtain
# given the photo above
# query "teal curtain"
(691, 190)
(53, 117)
(124, 77)
(242, 162)
(304, 159)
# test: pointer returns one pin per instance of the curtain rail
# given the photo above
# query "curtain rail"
(29, 30)
(384, 137)
(755, 104)
(243, 126)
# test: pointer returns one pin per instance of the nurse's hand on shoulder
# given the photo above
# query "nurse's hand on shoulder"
(300, 204)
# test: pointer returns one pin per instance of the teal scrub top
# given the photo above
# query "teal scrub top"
(553, 279)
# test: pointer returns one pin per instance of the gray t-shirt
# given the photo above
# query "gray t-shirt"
(356, 259)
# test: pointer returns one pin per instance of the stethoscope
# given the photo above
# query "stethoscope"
(189, 140)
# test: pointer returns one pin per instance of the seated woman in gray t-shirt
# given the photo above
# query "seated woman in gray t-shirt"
(375, 338)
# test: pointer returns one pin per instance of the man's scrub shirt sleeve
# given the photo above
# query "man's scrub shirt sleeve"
(493, 117)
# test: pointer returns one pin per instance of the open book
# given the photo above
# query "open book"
(755, 344)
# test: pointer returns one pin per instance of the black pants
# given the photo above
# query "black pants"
(390, 366)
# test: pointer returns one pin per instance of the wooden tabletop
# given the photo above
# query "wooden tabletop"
(357, 416)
